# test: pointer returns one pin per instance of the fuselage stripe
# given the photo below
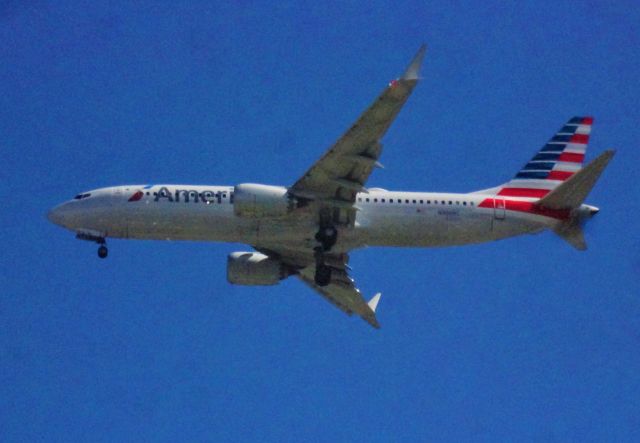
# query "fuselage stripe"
(524, 192)
(527, 207)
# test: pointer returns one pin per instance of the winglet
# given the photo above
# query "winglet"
(373, 303)
(413, 70)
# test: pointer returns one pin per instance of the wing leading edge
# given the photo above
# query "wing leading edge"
(343, 170)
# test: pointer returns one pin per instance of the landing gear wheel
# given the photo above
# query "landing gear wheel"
(323, 275)
(327, 236)
(103, 251)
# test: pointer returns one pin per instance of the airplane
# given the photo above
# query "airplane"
(308, 229)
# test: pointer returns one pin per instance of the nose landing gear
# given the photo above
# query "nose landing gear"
(103, 251)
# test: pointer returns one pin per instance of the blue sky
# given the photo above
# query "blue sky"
(523, 339)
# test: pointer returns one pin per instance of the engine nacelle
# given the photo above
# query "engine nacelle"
(254, 269)
(253, 201)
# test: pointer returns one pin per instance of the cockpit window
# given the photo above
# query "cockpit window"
(81, 196)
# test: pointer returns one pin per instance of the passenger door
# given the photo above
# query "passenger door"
(499, 210)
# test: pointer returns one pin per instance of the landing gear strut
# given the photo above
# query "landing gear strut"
(327, 236)
(323, 272)
(102, 249)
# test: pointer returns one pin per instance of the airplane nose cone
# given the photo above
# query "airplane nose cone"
(55, 216)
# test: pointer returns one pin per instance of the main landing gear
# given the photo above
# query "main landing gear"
(322, 276)
(327, 237)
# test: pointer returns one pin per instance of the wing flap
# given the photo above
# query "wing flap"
(343, 294)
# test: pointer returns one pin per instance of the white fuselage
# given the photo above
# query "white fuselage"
(206, 213)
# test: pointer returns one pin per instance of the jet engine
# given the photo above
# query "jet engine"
(254, 269)
(253, 201)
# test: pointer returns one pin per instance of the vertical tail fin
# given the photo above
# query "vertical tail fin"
(554, 182)
(560, 158)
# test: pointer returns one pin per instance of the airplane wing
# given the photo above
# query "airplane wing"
(342, 292)
(336, 178)
(332, 184)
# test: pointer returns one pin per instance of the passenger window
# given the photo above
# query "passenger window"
(471, 203)
(367, 200)
(382, 200)
(414, 201)
(464, 203)
(421, 201)
(450, 202)
(457, 203)
(375, 200)
(359, 199)
(428, 202)
(444, 202)
(390, 200)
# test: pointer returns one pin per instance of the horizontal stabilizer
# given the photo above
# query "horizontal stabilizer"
(571, 193)
(573, 235)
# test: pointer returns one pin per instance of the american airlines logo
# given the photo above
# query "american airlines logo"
(185, 196)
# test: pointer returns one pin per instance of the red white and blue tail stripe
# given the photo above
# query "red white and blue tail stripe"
(558, 160)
